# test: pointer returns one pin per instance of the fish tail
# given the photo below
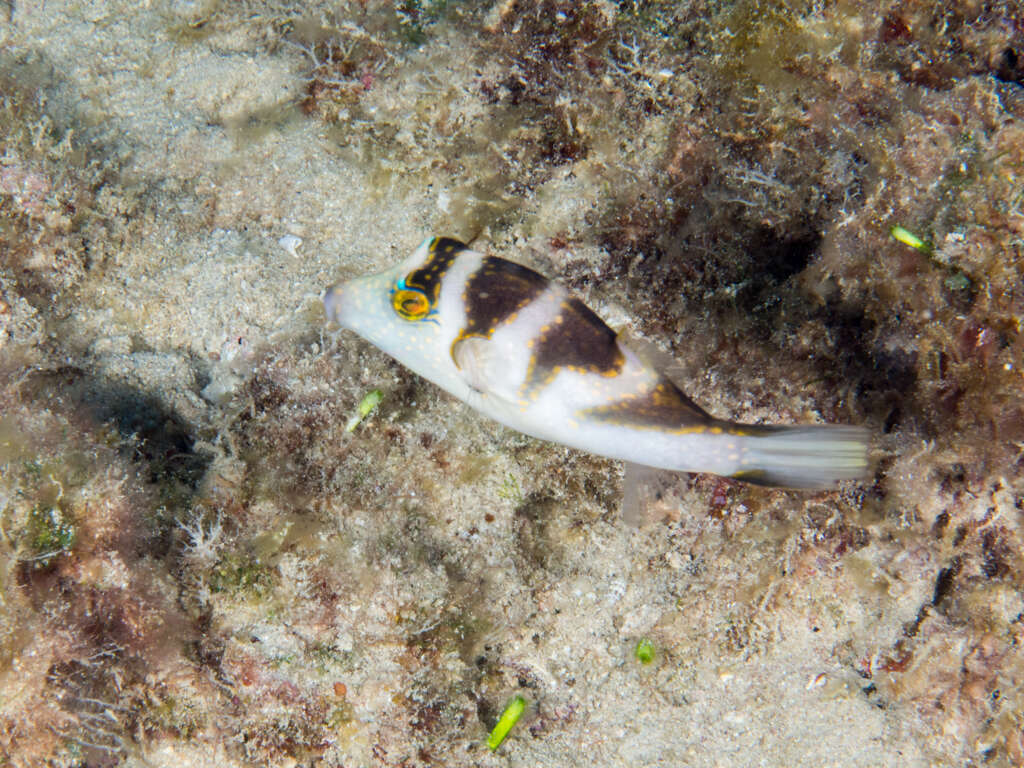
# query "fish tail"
(801, 456)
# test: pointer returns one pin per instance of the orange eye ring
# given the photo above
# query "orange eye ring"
(409, 303)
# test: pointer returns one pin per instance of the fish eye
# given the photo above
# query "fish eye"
(409, 303)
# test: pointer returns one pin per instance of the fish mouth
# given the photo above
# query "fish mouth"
(334, 301)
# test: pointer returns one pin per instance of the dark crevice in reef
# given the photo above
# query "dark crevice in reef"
(780, 255)
(944, 582)
(743, 276)
(884, 378)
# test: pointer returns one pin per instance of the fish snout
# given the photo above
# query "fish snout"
(334, 302)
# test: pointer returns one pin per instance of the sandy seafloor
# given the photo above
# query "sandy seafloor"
(200, 566)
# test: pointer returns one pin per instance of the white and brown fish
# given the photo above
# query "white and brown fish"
(520, 349)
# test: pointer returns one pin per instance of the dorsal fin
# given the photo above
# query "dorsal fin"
(663, 363)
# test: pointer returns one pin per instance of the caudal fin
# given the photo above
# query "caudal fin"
(803, 456)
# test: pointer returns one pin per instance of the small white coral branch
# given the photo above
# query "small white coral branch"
(204, 540)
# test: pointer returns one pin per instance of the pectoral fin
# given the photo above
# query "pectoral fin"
(479, 366)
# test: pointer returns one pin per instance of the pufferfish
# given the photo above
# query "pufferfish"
(521, 349)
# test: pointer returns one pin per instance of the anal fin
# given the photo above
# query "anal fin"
(646, 494)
